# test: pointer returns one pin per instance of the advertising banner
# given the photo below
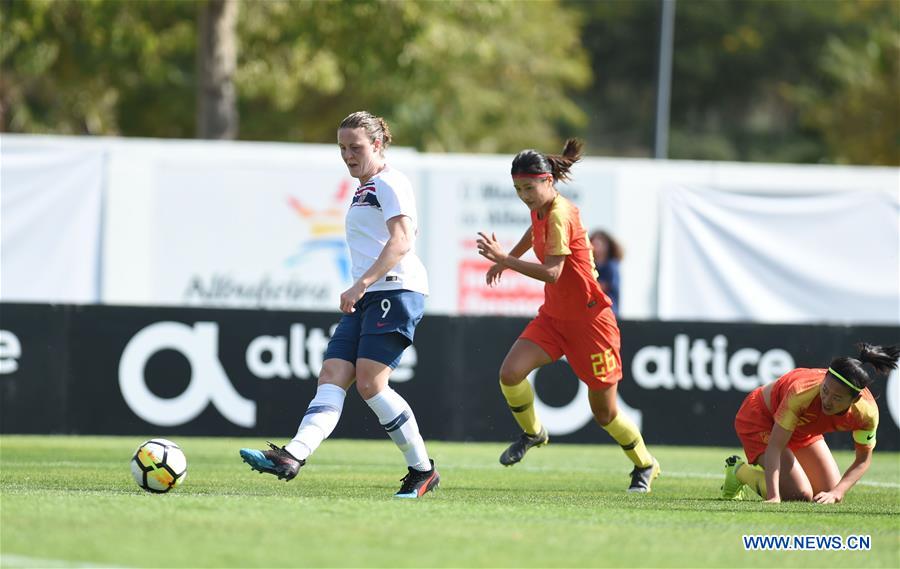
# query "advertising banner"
(268, 231)
(752, 256)
(34, 368)
(689, 379)
(50, 223)
(252, 234)
(471, 194)
(161, 371)
(252, 227)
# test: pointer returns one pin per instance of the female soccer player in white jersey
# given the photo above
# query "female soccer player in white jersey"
(381, 311)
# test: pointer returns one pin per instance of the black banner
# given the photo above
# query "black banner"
(169, 371)
(34, 353)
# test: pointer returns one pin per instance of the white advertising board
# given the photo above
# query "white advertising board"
(50, 223)
(260, 225)
(252, 231)
(468, 194)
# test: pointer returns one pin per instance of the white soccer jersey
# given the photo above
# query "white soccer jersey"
(388, 194)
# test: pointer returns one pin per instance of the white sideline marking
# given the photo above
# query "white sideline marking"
(716, 476)
(711, 476)
(665, 473)
(11, 560)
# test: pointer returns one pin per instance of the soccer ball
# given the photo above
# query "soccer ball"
(158, 465)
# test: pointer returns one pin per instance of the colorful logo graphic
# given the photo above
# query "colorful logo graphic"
(326, 231)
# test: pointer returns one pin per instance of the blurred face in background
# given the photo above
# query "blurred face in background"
(601, 249)
(362, 157)
(536, 193)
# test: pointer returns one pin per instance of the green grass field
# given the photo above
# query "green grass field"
(71, 502)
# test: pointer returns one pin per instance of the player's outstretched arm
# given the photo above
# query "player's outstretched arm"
(778, 441)
(548, 271)
(852, 476)
(492, 276)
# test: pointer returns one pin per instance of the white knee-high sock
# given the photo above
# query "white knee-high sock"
(397, 418)
(319, 421)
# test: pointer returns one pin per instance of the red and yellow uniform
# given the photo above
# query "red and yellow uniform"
(576, 319)
(795, 405)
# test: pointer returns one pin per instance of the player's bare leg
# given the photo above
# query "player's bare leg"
(793, 482)
(819, 466)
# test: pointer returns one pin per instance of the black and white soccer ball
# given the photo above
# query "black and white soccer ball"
(158, 465)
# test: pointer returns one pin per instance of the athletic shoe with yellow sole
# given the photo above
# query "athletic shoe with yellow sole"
(732, 488)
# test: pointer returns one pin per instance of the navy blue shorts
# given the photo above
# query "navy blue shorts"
(382, 326)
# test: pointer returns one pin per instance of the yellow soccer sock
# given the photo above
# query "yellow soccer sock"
(520, 399)
(629, 438)
(753, 476)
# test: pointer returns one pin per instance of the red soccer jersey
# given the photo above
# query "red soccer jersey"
(797, 407)
(560, 232)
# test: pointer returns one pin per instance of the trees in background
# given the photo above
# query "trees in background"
(217, 115)
(449, 76)
(98, 67)
(753, 80)
(781, 81)
(856, 108)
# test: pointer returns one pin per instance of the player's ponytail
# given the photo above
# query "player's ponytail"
(882, 359)
(376, 127)
(386, 137)
(532, 162)
(560, 164)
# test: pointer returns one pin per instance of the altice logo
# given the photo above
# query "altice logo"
(697, 365)
(209, 382)
(296, 355)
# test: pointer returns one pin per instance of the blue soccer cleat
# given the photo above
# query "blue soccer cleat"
(275, 461)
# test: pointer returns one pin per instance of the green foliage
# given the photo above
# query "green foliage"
(456, 76)
(449, 76)
(777, 81)
(738, 71)
(97, 67)
(621, 38)
(72, 499)
(858, 110)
